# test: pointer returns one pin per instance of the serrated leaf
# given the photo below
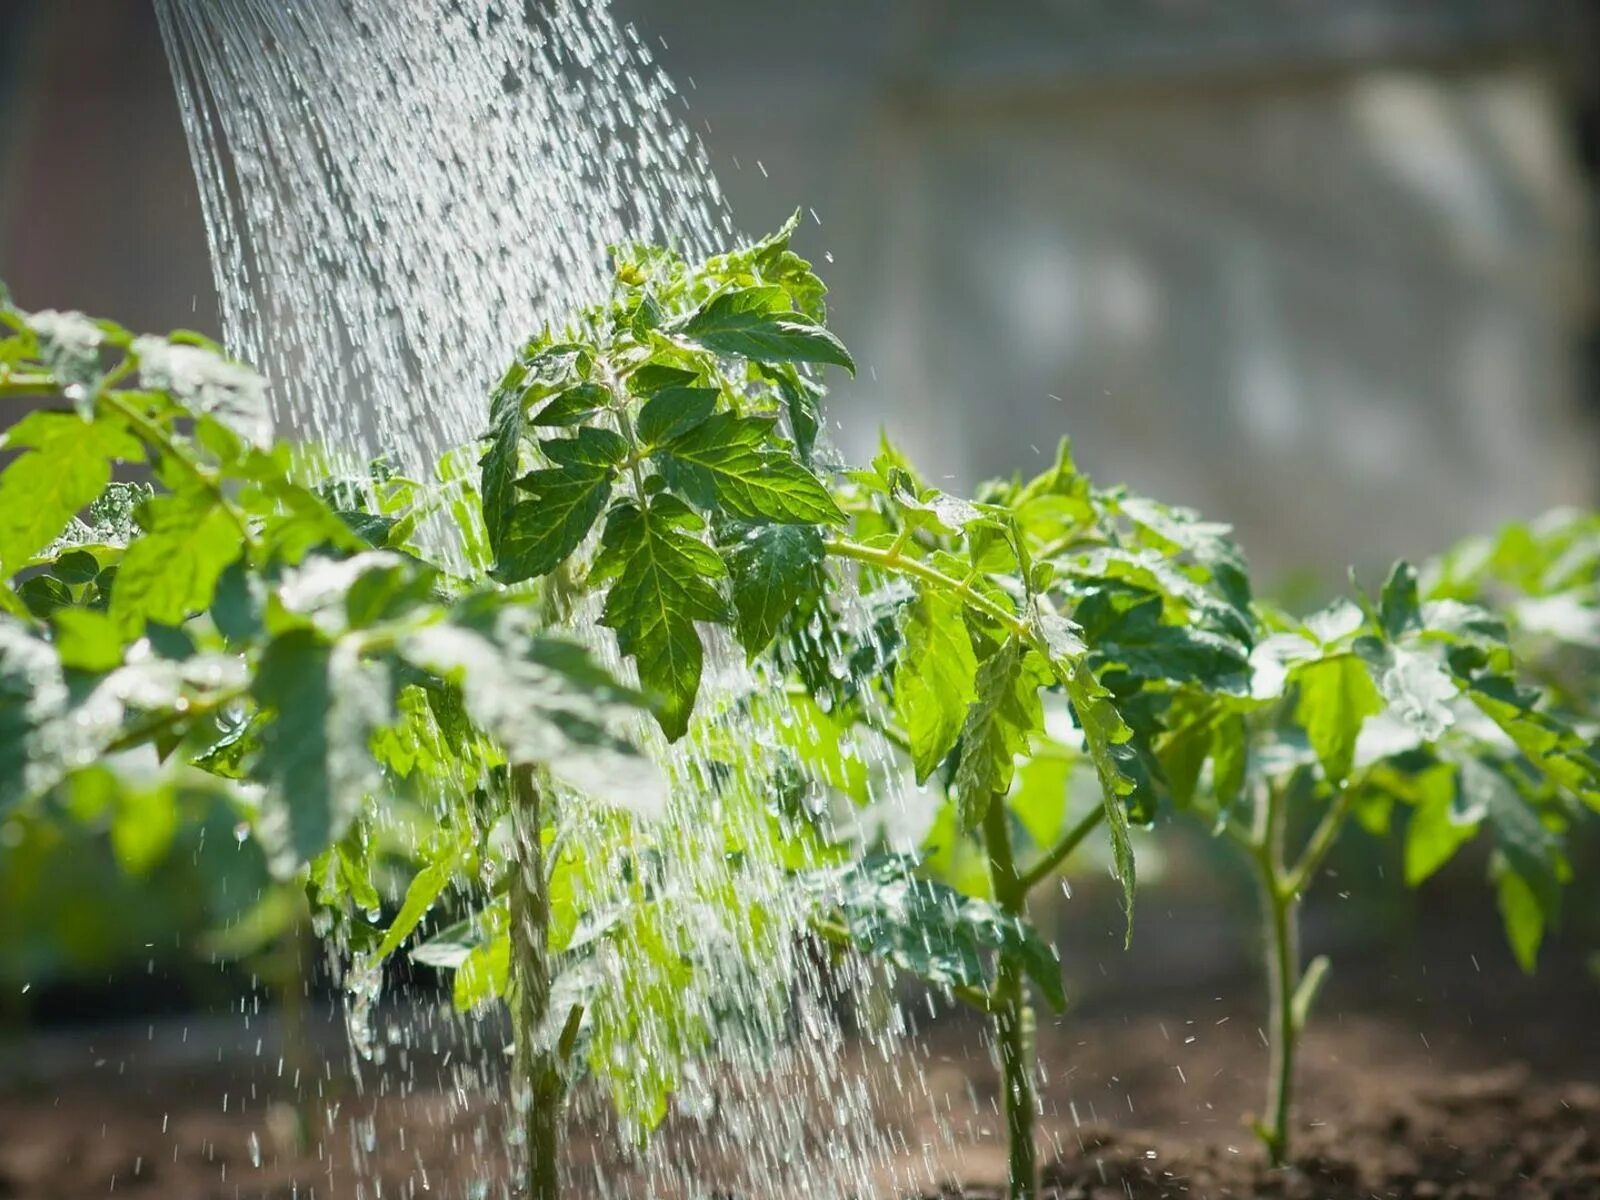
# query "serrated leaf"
(1003, 715)
(543, 531)
(171, 572)
(1551, 745)
(588, 447)
(673, 411)
(935, 680)
(734, 465)
(324, 706)
(577, 404)
(1336, 696)
(757, 323)
(776, 571)
(546, 702)
(664, 579)
(501, 462)
(1107, 737)
(1398, 608)
(65, 465)
(935, 932)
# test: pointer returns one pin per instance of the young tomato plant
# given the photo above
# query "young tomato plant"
(1359, 710)
(234, 634)
(679, 421)
(1138, 603)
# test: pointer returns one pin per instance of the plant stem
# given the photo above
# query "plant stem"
(1280, 916)
(1062, 850)
(1013, 1017)
(890, 559)
(1281, 913)
(537, 1076)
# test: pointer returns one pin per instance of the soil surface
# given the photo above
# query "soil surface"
(1434, 1070)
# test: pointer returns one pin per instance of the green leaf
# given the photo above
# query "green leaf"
(575, 405)
(1528, 848)
(1108, 738)
(732, 462)
(776, 571)
(674, 411)
(1437, 828)
(935, 932)
(1336, 696)
(425, 888)
(588, 447)
(484, 975)
(543, 531)
(1003, 715)
(33, 694)
(935, 678)
(324, 705)
(1398, 609)
(664, 579)
(757, 323)
(1551, 745)
(1520, 911)
(171, 572)
(65, 465)
(501, 462)
(87, 640)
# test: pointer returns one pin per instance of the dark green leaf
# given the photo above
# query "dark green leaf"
(547, 527)
(757, 323)
(731, 461)
(171, 572)
(576, 404)
(322, 707)
(1398, 609)
(674, 411)
(1004, 714)
(663, 580)
(777, 573)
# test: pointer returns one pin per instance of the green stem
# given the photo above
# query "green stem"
(1321, 842)
(537, 1074)
(891, 559)
(1281, 914)
(156, 437)
(1062, 850)
(1013, 1017)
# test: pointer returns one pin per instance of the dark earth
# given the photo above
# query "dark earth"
(1432, 1068)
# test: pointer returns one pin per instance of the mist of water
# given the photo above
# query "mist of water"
(397, 193)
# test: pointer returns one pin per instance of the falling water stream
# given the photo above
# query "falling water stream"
(397, 193)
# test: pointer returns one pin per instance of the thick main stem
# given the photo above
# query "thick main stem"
(1013, 1017)
(1280, 913)
(1283, 981)
(537, 1075)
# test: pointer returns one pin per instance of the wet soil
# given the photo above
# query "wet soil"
(1431, 1069)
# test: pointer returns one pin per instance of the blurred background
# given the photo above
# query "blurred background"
(1324, 269)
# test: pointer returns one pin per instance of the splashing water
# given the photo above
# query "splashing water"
(396, 193)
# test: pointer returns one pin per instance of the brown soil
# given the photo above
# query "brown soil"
(1136, 1108)
(1431, 1070)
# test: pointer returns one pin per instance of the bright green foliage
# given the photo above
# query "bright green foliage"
(675, 452)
